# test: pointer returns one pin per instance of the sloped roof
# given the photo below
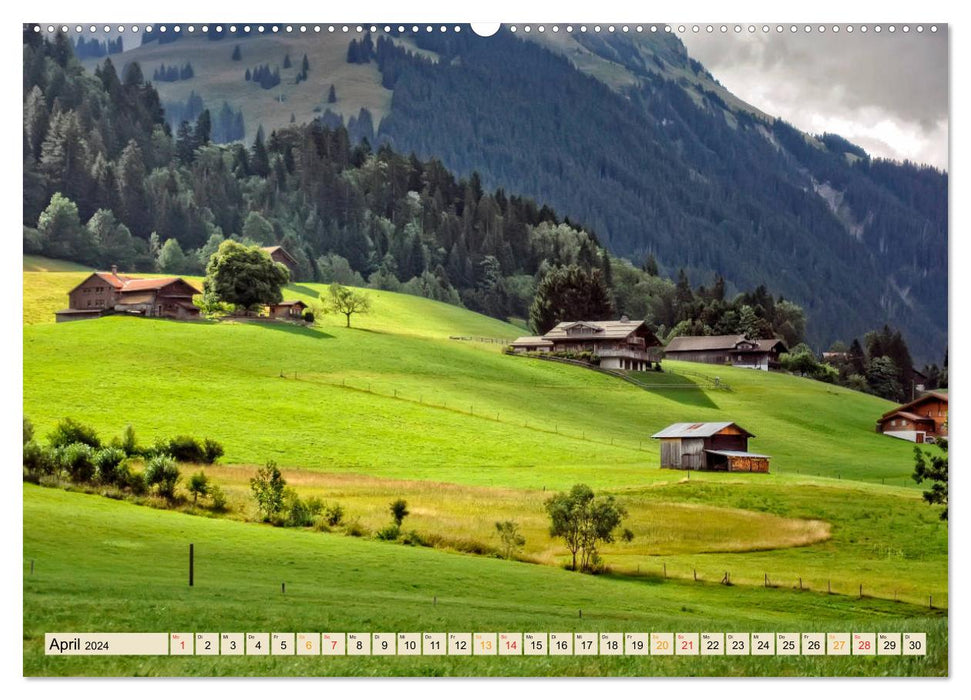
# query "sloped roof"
(532, 340)
(696, 430)
(125, 284)
(112, 279)
(271, 249)
(290, 302)
(916, 402)
(688, 343)
(696, 343)
(606, 330)
(905, 414)
(769, 344)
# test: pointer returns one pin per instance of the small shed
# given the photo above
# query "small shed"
(291, 310)
(709, 447)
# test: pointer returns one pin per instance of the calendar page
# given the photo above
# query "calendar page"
(517, 349)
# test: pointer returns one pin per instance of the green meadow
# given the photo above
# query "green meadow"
(103, 565)
(393, 407)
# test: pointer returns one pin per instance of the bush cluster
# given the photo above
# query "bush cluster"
(75, 453)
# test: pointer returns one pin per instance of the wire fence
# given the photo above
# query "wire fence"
(793, 582)
(505, 417)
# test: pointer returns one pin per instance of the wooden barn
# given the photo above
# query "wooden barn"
(288, 310)
(709, 447)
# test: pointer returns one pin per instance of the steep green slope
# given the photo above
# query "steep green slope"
(394, 396)
(119, 567)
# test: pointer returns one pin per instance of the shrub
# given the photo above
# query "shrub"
(162, 473)
(198, 485)
(308, 316)
(37, 461)
(389, 533)
(68, 431)
(128, 442)
(28, 430)
(300, 513)
(627, 535)
(211, 450)
(106, 462)
(77, 461)
(415, 539)
(399, 510)
(334, 515)
(217, 498)
(185, 448)
(134, 482)
(355, 529)
(267, 487)
(510, 538)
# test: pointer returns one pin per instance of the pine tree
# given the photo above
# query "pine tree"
(132, 201)
(331, 95)
(650, 265)
(286, 61)
(260, 161)
(203, 129)
(305, 66)
(237, 53)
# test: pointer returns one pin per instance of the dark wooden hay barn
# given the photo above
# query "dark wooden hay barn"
(709, 447)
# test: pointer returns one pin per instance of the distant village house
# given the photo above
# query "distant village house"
(921, 420)
(735, 350)
(279, 254)
(103, 293)
(623, 345)
(709, 447)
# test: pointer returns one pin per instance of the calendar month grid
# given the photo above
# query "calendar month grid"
(487, 644)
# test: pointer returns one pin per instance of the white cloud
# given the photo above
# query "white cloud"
(887, 93)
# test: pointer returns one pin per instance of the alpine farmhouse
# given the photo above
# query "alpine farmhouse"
(103, 293)
(735, 350)
(921, 420)
(622, 345)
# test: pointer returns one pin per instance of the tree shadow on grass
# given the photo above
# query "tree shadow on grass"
(295, 329)
(677, 387)
(300, 289)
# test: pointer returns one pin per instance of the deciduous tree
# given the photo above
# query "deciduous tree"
(244, 277)
(344, 300)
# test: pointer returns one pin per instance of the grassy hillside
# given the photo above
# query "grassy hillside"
(217, 78)
(120, 567)
(394, 396)
(393, 408)
(38, 263)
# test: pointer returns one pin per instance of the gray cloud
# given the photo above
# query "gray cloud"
(886, 92)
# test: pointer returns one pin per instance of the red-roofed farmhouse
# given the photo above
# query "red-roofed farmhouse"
(104, 293)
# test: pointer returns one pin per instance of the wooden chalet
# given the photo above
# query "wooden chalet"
(279, 254)
(103, 293)
(735, 350)
(921, 420)
(709, 447)
(290, 310)
(624, 344)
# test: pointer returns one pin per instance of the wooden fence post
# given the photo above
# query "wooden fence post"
(191, 564)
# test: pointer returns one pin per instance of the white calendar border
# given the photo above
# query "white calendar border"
(11, 650)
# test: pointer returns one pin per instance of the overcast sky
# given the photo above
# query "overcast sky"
(885, 92)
